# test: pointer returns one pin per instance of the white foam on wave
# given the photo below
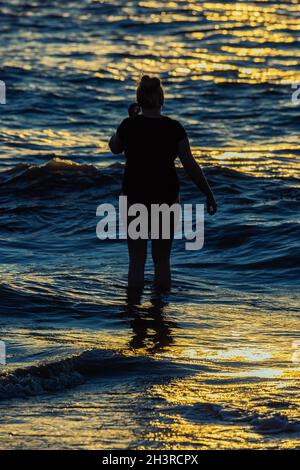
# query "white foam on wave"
(74, 370)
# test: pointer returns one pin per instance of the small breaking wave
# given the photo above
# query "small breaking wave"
(71, 371)
(67, 175)
(263, 424)
(58, 174)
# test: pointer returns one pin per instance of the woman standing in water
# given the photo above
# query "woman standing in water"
(152, 142)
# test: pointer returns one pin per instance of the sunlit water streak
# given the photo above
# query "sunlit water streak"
(216, 363)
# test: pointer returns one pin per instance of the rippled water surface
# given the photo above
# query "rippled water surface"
(214, 364)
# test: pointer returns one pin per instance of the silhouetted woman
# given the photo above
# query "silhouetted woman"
(151, 143)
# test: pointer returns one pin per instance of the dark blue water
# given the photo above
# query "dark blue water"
(215, 364)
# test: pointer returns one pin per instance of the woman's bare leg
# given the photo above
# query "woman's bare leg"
(137, 250)
(161, 251)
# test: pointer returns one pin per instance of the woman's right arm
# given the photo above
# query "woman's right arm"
(115, 144)
(196, 174)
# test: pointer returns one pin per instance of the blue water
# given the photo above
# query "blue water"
(214, 364)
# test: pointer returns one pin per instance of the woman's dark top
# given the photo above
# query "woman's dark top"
(151, 147)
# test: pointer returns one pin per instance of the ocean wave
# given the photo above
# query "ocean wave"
(58, 175)
(261, 423)
(69, 175)
(71, 371)
(256, 217)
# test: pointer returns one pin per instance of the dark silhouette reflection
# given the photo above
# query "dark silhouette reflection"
(151, 330)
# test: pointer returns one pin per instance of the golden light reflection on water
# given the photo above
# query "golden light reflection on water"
(228, 19)
(224, 43)
(161, 53)
(247, 369)
(206, 413)
(265, 160)
(232, 365)
(235, 358)
(257, 160)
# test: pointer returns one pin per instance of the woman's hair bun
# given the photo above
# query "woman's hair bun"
(150, 93)
(150, 83)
